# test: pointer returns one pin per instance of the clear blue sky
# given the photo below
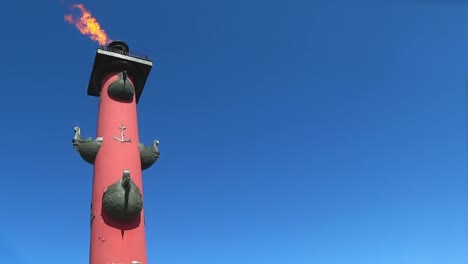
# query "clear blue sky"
(292, 132)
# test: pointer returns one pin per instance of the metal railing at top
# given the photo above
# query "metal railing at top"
(128, 53)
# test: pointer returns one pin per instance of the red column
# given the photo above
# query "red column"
(113, 242)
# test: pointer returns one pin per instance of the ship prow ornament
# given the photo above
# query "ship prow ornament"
(121, 89)
(122, 201)
(87, 148)
(148, 155)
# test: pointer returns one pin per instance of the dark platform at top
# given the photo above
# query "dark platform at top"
(116, 57)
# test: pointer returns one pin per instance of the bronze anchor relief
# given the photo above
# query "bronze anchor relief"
(122, 135)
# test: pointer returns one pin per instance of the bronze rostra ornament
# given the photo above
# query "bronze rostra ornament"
(148, 155)
(121, 89)
(88, 148)
(122, 201)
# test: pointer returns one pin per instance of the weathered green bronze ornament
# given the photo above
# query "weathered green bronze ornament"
(121, 89)
(88, 148)
(148, 155)
(122, 201)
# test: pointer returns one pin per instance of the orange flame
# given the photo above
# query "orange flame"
(88, 25)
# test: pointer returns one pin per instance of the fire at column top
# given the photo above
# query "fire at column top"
(116, 57)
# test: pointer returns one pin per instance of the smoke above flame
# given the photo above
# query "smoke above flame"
(88, 25)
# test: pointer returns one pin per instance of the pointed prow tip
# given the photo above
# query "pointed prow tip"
(77, 133)
(126, 180)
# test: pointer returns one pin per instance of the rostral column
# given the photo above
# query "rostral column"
(117, 216)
